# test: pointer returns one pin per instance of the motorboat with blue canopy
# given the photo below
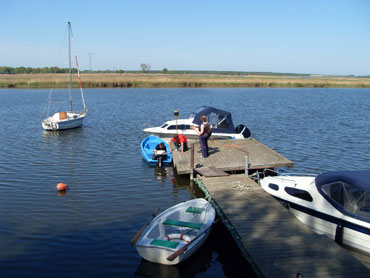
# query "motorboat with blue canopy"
(335, 203)
(220, 121)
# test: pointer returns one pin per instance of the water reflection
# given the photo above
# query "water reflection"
(162, 173)
(68, 133)
(61, 193)
(102, 165)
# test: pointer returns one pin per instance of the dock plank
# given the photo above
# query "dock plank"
(211, 172)
(271, 238)
(229, 155)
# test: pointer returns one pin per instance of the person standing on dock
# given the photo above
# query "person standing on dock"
(204, 132)
(180, 141)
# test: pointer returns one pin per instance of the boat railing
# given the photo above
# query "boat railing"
(297, 175)
(281, 175)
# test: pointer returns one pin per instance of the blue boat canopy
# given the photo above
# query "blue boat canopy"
(220, 120)
(359, 178)
(348, 191)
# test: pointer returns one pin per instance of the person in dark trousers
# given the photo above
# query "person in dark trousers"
(180, 141)
(160, 153)
(204, 132)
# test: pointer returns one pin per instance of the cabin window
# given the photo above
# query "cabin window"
(164, 125)
(299, 193)
(181, 127)
(350, 197)
(274, 186)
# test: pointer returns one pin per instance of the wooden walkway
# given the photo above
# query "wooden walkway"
(229, 155)
(271, 238)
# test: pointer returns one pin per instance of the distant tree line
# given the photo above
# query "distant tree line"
(17, 70)
(146, 68)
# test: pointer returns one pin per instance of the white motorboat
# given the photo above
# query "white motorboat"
(66, 119)
(176, 233)
(335, 203)
(220, 121)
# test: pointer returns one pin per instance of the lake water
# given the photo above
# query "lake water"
(87, 231)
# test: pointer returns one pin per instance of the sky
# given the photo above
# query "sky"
(297, 36)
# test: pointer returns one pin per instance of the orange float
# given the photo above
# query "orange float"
(61, 186)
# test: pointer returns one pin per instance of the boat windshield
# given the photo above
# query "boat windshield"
(350, 198)
(220, 120)
(217, 121)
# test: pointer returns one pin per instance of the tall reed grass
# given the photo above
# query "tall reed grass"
(147, 80)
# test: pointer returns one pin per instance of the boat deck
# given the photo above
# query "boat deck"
(271, 238)
(229, 155)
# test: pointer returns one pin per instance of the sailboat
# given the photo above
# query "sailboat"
(66, 119)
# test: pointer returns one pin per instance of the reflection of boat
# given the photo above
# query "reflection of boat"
(183, 226)
(335, 203)
(220, 120)
(147, 150)
(66, 119)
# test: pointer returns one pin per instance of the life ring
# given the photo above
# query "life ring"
(177, 237)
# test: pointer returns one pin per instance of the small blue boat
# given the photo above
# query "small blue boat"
(147, 150)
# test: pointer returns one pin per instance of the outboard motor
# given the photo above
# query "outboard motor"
(243, 130)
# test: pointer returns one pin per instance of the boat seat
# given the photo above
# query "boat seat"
(191, 225)
(164, 243)
(195, 210)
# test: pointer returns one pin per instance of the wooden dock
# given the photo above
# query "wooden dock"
(229, 155)
(271, 238)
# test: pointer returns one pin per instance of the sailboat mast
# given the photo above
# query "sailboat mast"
(70, 66)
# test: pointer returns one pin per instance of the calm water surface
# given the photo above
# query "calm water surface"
(87, 231)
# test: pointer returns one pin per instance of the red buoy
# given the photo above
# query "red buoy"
(61, 186)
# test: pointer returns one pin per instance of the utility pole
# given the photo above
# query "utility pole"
(90, 57)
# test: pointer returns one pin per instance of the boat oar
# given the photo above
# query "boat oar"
(174, 255)
(137, 236)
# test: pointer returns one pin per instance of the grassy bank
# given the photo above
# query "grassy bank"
(157, 80)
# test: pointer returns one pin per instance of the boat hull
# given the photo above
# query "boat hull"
(147, 150)
(345, 233)
(317, 213)
(73, 120)
(190, 134)
(191, 228)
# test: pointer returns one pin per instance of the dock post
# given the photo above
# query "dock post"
(246, 166)
(192, 162)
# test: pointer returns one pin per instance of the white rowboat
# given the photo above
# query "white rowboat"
(187, 224)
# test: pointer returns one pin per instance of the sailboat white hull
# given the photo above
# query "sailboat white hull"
(55, 122)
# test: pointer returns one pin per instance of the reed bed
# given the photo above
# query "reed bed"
(150, 80)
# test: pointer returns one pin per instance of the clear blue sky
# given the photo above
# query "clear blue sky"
(296, 36)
